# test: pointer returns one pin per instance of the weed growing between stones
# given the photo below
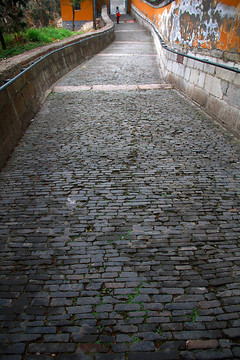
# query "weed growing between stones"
(126, 235)
(136, 339)
(131, 297)
(194, 315)
(159, 330)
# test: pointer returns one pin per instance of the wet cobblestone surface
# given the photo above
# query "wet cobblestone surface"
(120, 227)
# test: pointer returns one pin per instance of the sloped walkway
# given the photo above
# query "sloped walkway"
(120, 221)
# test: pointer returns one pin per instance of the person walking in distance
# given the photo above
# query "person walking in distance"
(117, 14)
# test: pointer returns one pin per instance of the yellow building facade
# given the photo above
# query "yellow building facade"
(82, 13)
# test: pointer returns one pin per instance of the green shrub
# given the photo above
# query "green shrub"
(38, 35)
(32, 38)
(47, 34)
(58, 34)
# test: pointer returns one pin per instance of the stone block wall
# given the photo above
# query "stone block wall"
(77, 24)
(210, 28)
(21, 97)
(215, 88)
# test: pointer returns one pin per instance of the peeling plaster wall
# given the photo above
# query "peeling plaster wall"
(208, 26)
(212, 85)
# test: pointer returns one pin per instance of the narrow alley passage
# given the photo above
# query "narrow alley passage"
(120, 222)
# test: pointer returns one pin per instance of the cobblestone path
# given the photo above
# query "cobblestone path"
(120, 221)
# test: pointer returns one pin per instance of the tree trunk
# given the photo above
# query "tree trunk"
(2, 40)
(73, 19)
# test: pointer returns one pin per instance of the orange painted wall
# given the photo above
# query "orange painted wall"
(85, 14)
(203, 24)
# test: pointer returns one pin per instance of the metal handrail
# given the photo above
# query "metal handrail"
(50, 53)
(180, 53)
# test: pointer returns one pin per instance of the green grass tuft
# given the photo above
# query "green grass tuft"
(33, 38)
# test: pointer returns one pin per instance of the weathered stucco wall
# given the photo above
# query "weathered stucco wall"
(215, 87)
(211, 27)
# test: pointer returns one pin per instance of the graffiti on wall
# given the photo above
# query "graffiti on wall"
(202, 24)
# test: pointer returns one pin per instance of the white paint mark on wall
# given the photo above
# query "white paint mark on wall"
(171, 26)
(226, 11)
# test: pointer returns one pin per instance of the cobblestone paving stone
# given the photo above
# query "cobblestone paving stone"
(120, 230)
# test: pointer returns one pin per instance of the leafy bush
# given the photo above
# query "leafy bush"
(32, 38)
(38, 35)
(58, 34)
(47, 34)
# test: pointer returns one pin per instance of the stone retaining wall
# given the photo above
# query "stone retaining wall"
(215, 88)
(22, 96)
